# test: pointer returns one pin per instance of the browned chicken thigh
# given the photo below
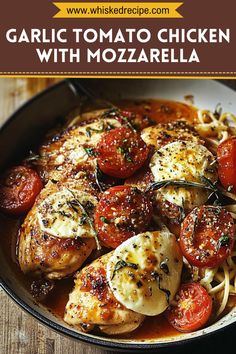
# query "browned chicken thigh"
(57, 235)
(92, 302)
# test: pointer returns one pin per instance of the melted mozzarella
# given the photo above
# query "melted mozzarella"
(186, 161)
(86, 136)
(64, 214)
(144, 272)
(162, 134)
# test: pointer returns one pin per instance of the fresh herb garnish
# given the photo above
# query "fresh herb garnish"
(157, 276)
(109, 126)
(111, 113)
(121, 264)
(115, 112)
(75, 202)
(98, 176)
(90, 151)
(89, 130)
(104, 220)
(223, 241)
(125, 151)
(179, 183)
(83, 220)
(63, 213)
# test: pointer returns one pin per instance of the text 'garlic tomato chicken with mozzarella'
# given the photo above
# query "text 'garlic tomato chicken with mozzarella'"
(125, 219)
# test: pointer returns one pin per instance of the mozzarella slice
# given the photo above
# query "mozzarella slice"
(65, 214)
(84, 138)
(188, 161)
(144, 272)
(162, 134)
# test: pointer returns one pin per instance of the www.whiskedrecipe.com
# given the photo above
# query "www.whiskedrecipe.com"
(112, 10)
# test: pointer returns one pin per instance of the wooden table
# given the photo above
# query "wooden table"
(19, 332)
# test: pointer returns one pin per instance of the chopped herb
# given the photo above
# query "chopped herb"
(83, 220)
(89, 130)
(63, 213)
(109, 126)
(90, 151)
(76, 202)
(125, 151)
(121, 264)
(166, 291)
(104, 219)
(128, 123)
(114, 112)
(223, 241)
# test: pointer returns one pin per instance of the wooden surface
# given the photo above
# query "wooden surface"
(19, 332)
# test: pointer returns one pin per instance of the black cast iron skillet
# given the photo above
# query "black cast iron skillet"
(21, 132)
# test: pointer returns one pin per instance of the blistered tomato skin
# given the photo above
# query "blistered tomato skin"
(192, 308)
(122, 212)
(19, 187)
(121, 152)
(207, 236)
(226, 157)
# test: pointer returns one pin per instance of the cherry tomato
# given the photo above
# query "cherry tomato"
(192, 308)
(226, 156)
(207, 236)
(122, 212)
(19, 187)
(121, 152)
(126, 117)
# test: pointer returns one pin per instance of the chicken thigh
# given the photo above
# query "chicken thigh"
(57, 235)
(92, 302)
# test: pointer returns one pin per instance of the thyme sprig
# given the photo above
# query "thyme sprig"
(98, 176)
(76, 202)
(179, 183)
(215, 192)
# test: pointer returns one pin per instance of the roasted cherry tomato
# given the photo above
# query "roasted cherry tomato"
(226, 156)
(19, 187)
(207, 236)
(192, 308)
(121, 152)
(122, 212)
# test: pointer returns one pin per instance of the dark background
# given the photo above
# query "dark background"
(217, 60)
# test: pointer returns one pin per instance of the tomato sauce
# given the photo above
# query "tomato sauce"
(152, 327)
(161, 111)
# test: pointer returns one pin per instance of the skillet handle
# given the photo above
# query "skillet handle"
(80, 88)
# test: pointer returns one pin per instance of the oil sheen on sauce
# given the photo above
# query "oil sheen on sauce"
(152, 327)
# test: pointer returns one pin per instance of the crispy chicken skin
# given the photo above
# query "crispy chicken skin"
(40, 252)
(92, 302)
